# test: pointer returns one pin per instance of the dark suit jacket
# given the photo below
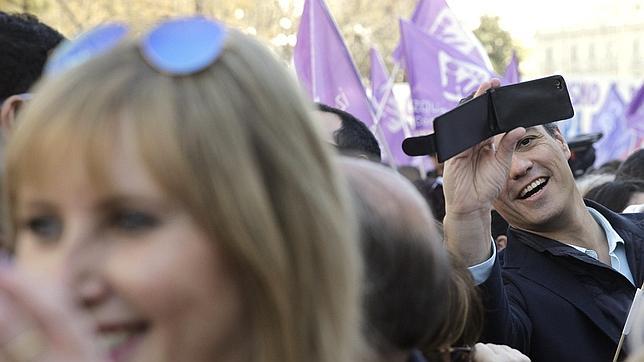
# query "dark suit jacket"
(536, 304)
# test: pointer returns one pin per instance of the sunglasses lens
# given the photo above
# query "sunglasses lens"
(86, 46)
(184, 46)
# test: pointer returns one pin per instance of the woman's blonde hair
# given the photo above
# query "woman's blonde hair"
(235, 145)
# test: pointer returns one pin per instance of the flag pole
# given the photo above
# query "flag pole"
(383, 102)
(312, 46)
(379, 112)
(634, 309)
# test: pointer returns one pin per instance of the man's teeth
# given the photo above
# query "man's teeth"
(534, 184)
(109, 341)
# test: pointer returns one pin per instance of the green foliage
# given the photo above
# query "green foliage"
(497, 42)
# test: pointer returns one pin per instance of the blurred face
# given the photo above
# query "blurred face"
(330, 122)
(154, 285)
(540, 186)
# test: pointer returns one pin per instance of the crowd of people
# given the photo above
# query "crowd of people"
(173, 196)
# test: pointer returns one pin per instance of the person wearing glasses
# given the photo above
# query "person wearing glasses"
(571, 267)
(160, 209)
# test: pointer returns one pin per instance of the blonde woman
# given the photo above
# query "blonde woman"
(188, 208)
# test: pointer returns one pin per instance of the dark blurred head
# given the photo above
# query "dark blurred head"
(632, 167)
(432, 191)
(406, 267)
(464, 319)
(609, 167)
(499, 230)
(25, 43)
(618, 194)
(351, 136)
(582, 153)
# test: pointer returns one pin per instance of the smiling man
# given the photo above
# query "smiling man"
(571, 267)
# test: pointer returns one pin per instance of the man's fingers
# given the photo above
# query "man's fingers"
(507, 144)
(492, 83)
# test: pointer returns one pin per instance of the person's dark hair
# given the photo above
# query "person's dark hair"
(432, 191)
(499, 225)
(632, 167)
(406, 269)
(615, 194)
(464, 320)
(25, 44)
(353, 136)
(608, 167)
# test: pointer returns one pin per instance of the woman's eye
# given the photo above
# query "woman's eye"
(44, 227)
(133, 221)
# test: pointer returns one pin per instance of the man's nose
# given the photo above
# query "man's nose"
(520, 166)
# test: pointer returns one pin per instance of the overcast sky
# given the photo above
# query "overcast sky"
(523, 18)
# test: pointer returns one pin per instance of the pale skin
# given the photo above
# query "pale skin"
(488, 352)
(122, 274)
(492, 175)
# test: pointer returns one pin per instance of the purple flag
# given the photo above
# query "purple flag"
(391, 124)
(434, 17)
(635, 118)
(324, 66)
(511, 75)
(610, 120)
(438, 74)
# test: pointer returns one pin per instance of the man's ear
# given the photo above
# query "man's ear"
(562, 142)
(8, 113)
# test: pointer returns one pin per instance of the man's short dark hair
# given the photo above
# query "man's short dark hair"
(353, 136)
(632, 168)
(25, 44)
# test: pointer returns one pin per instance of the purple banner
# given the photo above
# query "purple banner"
(391, 124)
(511, 75)
(635, 119)
(324, 65)
(610, 120)
(434, 17)
(439, 75)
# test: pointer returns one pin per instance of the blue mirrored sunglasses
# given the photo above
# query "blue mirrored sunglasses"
(176, 47)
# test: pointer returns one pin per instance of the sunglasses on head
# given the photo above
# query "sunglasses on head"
(177, 47)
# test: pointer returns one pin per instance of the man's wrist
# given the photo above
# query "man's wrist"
(468, 235)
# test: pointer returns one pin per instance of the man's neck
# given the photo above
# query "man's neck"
(580, 228)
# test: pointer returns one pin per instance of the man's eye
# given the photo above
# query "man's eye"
(44, 227)
(524, 142)
(133, 221)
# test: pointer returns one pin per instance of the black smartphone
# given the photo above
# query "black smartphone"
(500, 110)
